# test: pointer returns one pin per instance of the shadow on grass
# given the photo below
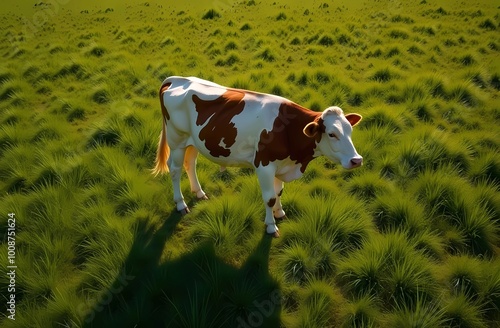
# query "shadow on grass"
(197, 289)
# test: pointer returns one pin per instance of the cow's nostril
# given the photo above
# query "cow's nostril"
(357, 161)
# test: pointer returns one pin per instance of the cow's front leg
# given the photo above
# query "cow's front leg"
(175, 162)
(266, 178)
(190, 167)
(278, 212)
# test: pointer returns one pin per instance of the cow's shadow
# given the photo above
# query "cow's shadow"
(197, 289)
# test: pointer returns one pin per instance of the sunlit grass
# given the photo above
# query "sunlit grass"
(409, 239)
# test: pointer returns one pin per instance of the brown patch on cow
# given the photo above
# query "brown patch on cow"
(219, 113)
(271, 202)
(286, 138)
(163, 108)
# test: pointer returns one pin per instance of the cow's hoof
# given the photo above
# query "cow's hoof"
(184, 211)
(204, 197)
(280, 219)
(275, 234)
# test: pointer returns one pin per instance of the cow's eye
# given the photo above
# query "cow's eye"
(333, 135)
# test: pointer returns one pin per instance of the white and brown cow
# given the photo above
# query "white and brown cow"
(234, 127)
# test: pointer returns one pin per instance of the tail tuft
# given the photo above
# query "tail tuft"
(162, 153)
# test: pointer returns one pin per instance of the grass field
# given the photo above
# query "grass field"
(411, 239)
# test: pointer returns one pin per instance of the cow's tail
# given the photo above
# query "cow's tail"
(163, 151)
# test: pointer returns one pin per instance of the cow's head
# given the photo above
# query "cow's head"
(335, 130)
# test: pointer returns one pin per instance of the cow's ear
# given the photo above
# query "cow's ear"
(312, 129)
(353, 118)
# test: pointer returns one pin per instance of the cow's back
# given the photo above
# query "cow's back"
(224, 124)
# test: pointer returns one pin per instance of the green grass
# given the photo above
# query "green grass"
(411, 239)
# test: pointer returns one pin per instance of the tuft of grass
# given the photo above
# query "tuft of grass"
(107, 132)
(297, 264)
(436, 189)
(426, 30)
(231, 45)
(74, 69)
(463, 276)
(344, 39)
(278, 90)
(398, 34)
(467, 60)
(416, 92)
(388, 267)
(423, 314)
(295, 41)
(5, 77)
(410, 283)
(490, 294)
(429, 243)
(363, 312)
(340, 225)
(245, 27)
(384, 75)
(101, 96)
(362, 275)
(444, 197)
(488, 25)
(402, 19)
(230, 60)
(9, 93)
(225, 223)
(495, 81)
(476, 77)
(394, 51)
(459, 312)
(380, 119)
(317, 309)
(267, 55)
(436, 86)
(281, 16)
(97, 51)
(463, 94)
(355, 99)
(167, 41)
(441, 11)
(326, 40)
(76, 114)
(488, 198)
(430, 149)
(211, 14)
(422, 111)
(414, 50)
(140, 140)
(367, 186)
(398, 212)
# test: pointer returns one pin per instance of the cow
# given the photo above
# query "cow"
(236, 127)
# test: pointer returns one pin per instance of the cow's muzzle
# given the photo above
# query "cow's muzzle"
(356, 162)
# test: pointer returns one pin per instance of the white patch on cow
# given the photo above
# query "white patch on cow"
(332, 110)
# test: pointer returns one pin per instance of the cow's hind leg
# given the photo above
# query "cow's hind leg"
(190, 166)
(266, 176)
(175, 167)
(278, 212)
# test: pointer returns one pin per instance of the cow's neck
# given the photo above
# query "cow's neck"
(301, 147)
